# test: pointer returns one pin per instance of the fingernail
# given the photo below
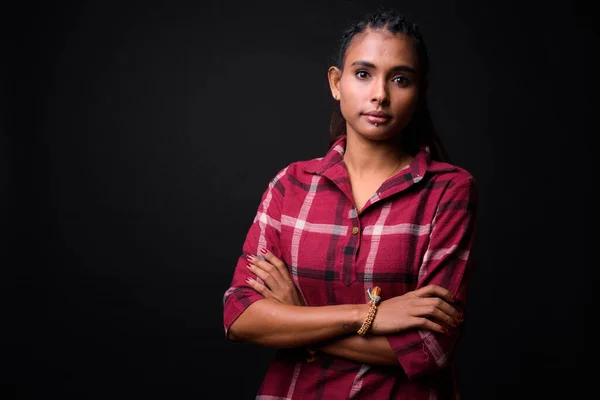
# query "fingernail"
(249, 265)
(250, 257)
(264, 251)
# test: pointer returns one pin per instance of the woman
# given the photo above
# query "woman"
(360, 259)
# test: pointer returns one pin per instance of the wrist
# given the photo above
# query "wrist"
(361, 312)
(374, 294)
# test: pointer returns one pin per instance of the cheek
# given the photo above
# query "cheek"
(347, 105)
(351, 98)
(351, 88)
(406, 104)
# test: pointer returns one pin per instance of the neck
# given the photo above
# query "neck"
(365, 157)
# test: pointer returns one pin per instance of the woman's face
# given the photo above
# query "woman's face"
(378, 86)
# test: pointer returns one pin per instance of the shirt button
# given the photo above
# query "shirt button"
(355, 230)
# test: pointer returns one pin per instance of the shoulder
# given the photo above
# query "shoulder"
(296, 173)
(453, 181)
(298, 170)
(450, 173)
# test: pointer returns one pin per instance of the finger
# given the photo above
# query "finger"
(424, 323)
(264, 265)
(435, 290)
(267, 267)
(260, 288)
(443, 306)
(437, 314)
(277, 263)
(259, 269)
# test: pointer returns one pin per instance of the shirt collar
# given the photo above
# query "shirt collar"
(420, 164)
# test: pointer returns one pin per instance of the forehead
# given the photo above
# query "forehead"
(382, 47)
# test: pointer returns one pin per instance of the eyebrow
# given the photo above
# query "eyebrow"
(405, 68)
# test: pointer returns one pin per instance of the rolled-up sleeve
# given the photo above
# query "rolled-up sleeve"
(263, 233)
(447, 263)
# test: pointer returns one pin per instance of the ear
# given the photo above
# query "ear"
(334, 75)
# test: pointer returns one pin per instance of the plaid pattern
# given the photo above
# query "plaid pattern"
(416, 230)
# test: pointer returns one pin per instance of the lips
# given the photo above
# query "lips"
(377, 117)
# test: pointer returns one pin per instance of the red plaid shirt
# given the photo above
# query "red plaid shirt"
(416, 230)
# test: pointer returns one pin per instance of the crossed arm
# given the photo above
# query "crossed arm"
(415, 330)
(282, 320)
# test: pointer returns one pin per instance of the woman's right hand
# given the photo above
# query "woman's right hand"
(424, 308)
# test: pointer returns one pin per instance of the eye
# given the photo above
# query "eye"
(401, 80)
(361, 74)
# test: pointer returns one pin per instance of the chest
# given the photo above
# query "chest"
(362, 190)
(334, 253)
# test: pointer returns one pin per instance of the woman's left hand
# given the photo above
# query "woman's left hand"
(278, 284)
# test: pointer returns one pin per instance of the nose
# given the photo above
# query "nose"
(380, 92)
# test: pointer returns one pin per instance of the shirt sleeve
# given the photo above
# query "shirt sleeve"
(446, 263)
(263, 233)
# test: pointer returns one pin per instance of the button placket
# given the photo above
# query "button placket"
(349, 273)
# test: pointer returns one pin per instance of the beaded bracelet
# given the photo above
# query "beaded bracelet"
(375, 299)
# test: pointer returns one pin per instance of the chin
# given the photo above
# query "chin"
(377, 136)
(378, 133)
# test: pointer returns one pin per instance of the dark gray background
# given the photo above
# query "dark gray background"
(137, 138)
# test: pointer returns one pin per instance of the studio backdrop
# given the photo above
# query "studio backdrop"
(138, 138)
